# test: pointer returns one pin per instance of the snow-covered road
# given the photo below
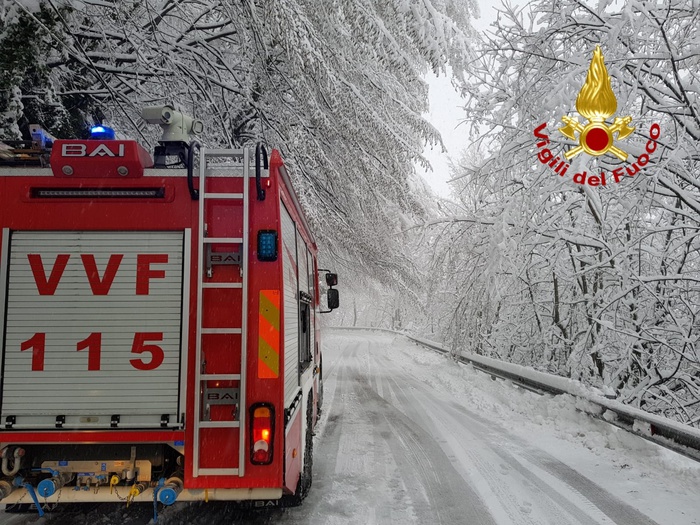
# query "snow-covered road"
(410, 437)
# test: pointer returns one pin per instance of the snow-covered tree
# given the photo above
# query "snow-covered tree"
(597, 283)
(336, 85)
(30, 91)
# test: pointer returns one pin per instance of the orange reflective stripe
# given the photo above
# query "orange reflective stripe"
(269, 335)
(270, 307)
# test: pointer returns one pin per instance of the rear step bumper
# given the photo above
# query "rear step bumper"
(68, 495)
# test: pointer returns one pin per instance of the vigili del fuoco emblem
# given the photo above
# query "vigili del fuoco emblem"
(596, 103)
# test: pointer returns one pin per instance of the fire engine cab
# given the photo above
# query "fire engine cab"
(159, 325)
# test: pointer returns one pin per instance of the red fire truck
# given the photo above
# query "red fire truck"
(159, 326)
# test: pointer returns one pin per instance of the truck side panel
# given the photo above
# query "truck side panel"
(291, 308)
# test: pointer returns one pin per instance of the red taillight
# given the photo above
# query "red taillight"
(262, 426)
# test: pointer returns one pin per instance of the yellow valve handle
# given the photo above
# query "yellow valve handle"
(114, 480)
(132, 494)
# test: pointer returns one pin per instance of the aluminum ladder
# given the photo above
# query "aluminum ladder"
(227, 163)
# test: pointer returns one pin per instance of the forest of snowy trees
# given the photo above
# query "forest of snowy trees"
(600, 284)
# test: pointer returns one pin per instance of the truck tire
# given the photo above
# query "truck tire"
(319, 406)
(307, 472)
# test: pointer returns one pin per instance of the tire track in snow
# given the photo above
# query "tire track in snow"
(482, 463)
(475, 468)
(319, 506)
(581, 498)
(616, 510)
(506, 476)
(439, 494)
(561, 493)
(356, 483)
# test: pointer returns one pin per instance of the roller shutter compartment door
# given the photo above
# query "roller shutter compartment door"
(291, 308)
(92, 329)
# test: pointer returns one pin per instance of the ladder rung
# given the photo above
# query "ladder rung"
(222, 152)
(223, 240)
(222, 285)
(217, 472)
(219, 424)
(228, 171)
(220, 377)
(221, 330)
(223, 195)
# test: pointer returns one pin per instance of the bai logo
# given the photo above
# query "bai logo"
(101, 150)
(596, 102)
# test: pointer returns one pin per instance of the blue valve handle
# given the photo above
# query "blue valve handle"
(51, 471)
(32, 494)
(161, 484)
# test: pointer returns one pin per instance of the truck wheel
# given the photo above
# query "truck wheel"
(306, 473)
(319, 407)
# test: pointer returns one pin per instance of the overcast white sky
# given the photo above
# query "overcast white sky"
(446, 113)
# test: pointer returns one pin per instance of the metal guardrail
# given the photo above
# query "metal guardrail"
(660, 430)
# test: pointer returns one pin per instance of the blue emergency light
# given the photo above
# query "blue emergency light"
(267, 245)
(102, 133)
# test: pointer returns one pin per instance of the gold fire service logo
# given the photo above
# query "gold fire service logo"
(596, 102)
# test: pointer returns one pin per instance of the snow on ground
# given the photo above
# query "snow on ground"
(555, 423)
(546, 439)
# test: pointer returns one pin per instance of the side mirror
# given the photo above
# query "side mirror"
(333, 298)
